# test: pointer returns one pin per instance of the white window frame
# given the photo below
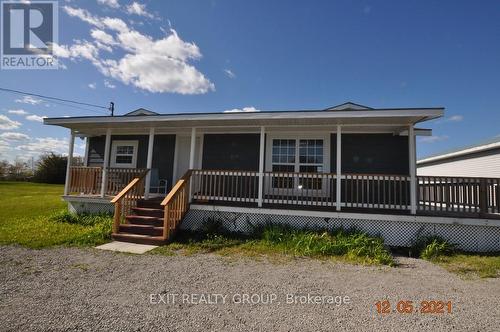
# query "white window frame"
(297, 136)
(114, 146)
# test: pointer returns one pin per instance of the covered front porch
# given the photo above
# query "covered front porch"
(277, 167)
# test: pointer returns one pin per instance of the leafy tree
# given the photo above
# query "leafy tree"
(4, 168)
(18, 171)
(51, 168)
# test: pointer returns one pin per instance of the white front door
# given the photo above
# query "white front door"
(182, 152)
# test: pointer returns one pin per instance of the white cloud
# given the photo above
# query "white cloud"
(29, 100)
(229, 73)
(36, 118)
(18, 112)
(92, 85)
(433, 139)
(103, 37)
(455, 118)
(12, 136)
(136, 8)
(8, 124)
(83, 14)
(155, 65)
(109, 3)
(109, 85)
(249, 109)
(44, 145)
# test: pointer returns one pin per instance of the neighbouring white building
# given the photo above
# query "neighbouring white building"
(479, 160)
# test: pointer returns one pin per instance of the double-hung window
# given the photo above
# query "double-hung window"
(124, 154)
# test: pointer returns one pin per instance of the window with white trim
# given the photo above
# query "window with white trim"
(311, 159)
(311, 156)
(124, 154)
(283, 160)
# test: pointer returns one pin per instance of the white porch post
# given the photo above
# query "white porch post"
(191, 159)
(193, 147)
(149, 162)
(338, 193)
(87, 146)
(413, 175)
(261, 165)
(107, 148)
(68, 165)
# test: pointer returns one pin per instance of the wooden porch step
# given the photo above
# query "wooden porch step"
(145, 220)
(140, 239)
(150, 203)
(141, 229)
(151, 212)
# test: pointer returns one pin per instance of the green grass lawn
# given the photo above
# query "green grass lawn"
(281, 243)
(33, 215)
(471, 265)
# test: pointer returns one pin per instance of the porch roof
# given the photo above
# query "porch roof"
(353, 117)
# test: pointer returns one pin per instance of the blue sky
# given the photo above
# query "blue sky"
(209, 56)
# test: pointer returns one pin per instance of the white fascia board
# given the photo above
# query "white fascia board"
(424, 114)
(461, 152)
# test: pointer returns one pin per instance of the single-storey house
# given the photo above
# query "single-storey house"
(344, 166)
(478, 160)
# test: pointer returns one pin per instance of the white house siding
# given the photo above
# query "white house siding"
(486, 164)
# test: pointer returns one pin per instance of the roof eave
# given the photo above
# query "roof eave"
(460, 153)
(423, 115)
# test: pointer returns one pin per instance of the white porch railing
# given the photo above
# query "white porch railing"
(435, 195)
(229, 186)
(316, 189)
(309, 189)
(376, 191)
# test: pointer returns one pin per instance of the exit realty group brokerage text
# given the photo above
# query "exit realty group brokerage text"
(247, 298)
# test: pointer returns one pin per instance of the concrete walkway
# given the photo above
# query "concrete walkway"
(132, 248)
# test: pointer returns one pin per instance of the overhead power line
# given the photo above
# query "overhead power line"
(60, 101)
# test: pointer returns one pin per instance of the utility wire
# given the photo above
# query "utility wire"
(55, 99)
(77, 107)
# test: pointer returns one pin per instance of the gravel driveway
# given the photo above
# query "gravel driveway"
(67, 289)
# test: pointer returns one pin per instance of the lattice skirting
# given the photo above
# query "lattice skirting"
(96, 207)
(397, 233)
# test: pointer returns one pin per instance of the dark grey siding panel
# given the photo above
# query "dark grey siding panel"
(231, 152)
(163, 157)
(163, 153)
(96, 148)
(372, 153)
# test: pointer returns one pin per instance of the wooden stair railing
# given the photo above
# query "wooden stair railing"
(176, 205)
(127, 199)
